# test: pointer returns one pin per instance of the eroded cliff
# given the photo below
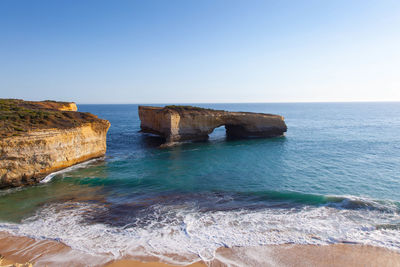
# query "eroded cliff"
(38, 138)
(181, 123)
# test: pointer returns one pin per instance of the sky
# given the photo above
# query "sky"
(200, 51)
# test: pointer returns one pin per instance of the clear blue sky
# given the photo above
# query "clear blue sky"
(192, 51)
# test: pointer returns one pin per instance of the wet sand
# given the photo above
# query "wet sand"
(52, 253)
(128, 263)
(307, 255)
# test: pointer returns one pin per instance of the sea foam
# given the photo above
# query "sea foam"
(180, 235)
(85, 164)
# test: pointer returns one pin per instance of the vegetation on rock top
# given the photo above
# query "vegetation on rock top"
(184, 108)
(18, 117)
(188, 108)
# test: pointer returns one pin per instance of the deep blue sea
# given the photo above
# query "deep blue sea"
(334, 177)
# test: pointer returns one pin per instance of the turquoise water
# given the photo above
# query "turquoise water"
(334, 177)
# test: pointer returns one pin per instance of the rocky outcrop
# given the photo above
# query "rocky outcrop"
(58, 140)
(181, 123)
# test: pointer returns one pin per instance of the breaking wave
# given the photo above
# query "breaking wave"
(85, 164)
(186, 230)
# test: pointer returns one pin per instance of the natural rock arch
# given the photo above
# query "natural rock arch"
(182, 123)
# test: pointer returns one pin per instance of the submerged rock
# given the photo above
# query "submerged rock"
(183, 123)
(37, 138)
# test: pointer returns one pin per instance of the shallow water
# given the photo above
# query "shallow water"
(334, 177)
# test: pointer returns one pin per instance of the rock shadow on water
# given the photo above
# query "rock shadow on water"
(151, 140)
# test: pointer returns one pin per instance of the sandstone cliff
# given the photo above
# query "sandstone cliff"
(37, 138)
(180, 123)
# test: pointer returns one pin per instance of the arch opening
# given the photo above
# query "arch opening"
(218, 134)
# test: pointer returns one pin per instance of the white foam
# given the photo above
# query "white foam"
(192, 234)
(49, 177)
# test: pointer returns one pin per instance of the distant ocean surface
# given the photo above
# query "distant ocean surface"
(334, 177)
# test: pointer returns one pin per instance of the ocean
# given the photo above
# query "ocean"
(334, 178)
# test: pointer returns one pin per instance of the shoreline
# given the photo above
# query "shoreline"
(25, 250)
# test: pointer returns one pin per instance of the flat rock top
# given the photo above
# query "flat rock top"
(191, 110)
(18, 117)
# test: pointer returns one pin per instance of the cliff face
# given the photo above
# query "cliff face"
(180, 123)
(57, 141)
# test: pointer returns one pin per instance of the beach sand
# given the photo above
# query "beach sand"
(17, 249)
(307, 255)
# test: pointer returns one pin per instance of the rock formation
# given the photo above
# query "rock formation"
(181, 123)
(37, 138)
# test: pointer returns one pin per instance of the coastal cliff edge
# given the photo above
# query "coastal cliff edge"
(37, 138)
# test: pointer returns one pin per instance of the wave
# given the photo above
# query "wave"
(184, 230)
(352, 202)
(334, 201)
(85, 164)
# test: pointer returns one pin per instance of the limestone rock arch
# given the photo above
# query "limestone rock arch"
(183, 123)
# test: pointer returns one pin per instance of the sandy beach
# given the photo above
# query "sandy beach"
(24, 250)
